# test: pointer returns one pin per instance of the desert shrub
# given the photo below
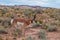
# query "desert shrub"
(40, 21)
(17, 9)
(39, 11)
(42, 35)
(28, 13)
(29, 38)
(8, 15)
(6, 23)
(11, 16)
(1, 38)
(51, 28)
(44, 26)
(36, 25)
(1, 20)
(4, 11)
(3, 31)
(17, 32)
(14, 38)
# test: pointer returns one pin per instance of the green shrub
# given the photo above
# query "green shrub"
(4, 11)
(17, 9)
(6, 23)
(3, 31)
(29, 38)
(42, 35)
(17, 32)
(44, 26)
(36, 25)
(51, 28)
(1, 20)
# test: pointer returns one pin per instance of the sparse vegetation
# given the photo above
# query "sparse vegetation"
(52, 28)
(43, 16)
(0, 20)
(6, 24)
(3, 12)
(42, 35)
(3, 31)
(29, 38)
(17, 32)
(36, 25)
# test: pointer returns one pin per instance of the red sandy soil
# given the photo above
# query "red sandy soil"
(49, 35)
(33, 33)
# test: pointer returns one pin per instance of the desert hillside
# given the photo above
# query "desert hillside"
(45, 23)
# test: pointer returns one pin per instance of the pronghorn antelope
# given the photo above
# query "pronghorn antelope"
(22, 23)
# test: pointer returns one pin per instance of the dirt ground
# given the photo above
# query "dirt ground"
(33, 33)
(49, 35)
